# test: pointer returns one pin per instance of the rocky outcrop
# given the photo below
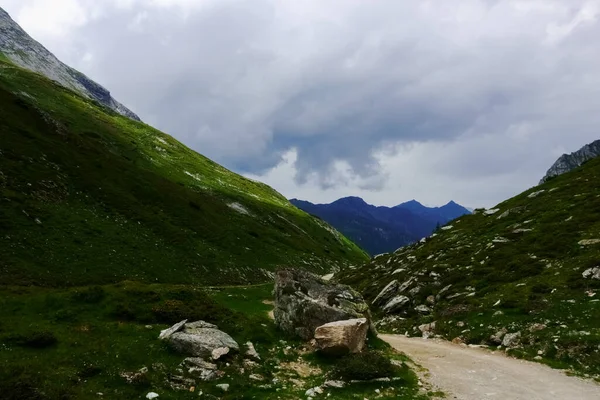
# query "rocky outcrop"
(25, 52)
(568, 162)
(304, 301)
(342, 337)
(199, 339)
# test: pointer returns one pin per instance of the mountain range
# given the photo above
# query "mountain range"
(379, 229)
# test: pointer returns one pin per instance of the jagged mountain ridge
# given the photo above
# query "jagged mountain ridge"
(382, 229)
(23, 50)
(88, 196)
(524, 274)
(568, 162)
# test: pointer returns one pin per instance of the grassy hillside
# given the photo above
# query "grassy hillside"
(525, 266)
(90, 197)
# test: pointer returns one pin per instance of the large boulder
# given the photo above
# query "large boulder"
(342, 337)
(199, 339)
(304, 301)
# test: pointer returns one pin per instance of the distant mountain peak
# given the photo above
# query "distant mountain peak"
(351, 200)
(568, 162)
(24, 51)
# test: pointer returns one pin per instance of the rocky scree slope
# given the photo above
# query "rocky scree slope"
(568, 162)
(88, 196)
(524, 275)
(20, 48)
(382, 229)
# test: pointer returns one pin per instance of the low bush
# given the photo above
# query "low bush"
(364, 366)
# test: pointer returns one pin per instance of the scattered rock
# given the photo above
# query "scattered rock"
(458, 340)
(535, 194)
(537, 327)
(388, 291)
(304, 301)
(223, 386)
(342, 337)
(427, 329)
(251, 351)
(430, 299)
(256, 377)
(134, 377)
(204, 370)
(313, 392)
(423, 309)
(151, 395)
(496, 339)
(199, 339)
(327, 277)
(219, 352)
(396, 304)
(593, 273)
(589, 242)
(335, 384)
(511, 340)
(165, 334)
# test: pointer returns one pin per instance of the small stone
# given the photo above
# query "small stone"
(251, 351)
(335, 384)
(219, 352)
(151, 395)
(223, 386)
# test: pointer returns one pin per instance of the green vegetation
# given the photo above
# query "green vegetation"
(520, 268)
(91, 197)
(74, 343)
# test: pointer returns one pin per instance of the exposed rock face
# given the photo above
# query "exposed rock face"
(304, 301)
(396, 304)
(199, 339)
(568, 162)
(25, 52)
(342, 337)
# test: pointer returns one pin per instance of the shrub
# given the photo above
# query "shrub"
(35, 340)
(91, 295)
(364, 366)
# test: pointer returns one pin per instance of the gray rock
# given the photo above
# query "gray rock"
(511, 339)
(423, 309)
(204, 370)
(304, 301)
(396, 304)
(223, 386)
(313, 392)
(592, 273)
(342, 337)
(166, 333)
(568, 162)
(251, 351)
(201, 339)
(388, 291)
(496, 339)
(427, 329)
(334, 384)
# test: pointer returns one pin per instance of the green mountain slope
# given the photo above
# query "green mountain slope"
(530, 265)
(90, 197)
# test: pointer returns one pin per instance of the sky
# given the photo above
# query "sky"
(390, 100)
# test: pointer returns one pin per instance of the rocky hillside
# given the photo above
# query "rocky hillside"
(382, 229)
(89, 196)
(524, 276)
(568, 162)
(21, 49)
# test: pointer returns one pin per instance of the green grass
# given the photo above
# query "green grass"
(535, 275)
(74, 343)
(90, 197)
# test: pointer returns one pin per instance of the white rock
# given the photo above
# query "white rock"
(223, 386)
(589, 242)
(151, 395)
(536, 194)
(335, 384)
(593, 273)
(251, 351)
(166, 333)
(341, 337)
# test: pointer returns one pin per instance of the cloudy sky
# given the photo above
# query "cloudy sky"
(470, 100)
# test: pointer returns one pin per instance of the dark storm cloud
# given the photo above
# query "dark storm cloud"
(505, 83)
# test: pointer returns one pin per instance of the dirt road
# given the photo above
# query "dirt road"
(475, 374)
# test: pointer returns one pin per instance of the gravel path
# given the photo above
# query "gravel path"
(476, 374)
